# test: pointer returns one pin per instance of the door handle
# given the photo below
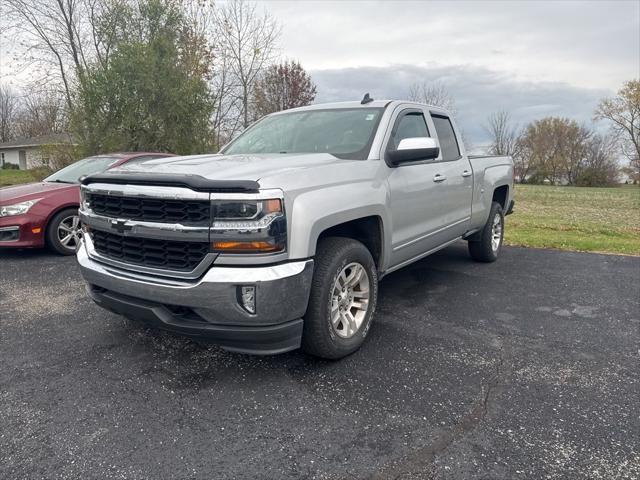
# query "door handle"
(439, 178)
(466, 173)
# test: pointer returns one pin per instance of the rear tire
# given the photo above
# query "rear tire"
(487, 247)
(63, 232)
(343, 298)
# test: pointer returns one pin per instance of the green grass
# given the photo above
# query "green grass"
(583, 219)
(16, 177)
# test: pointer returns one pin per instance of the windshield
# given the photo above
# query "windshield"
(345, 133)
(81, 168)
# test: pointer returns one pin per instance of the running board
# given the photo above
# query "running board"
(419, 257)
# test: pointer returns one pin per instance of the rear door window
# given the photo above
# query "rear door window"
(446, 136)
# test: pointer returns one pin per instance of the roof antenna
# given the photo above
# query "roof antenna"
(366, 99)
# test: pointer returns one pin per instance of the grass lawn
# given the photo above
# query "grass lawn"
(569, 218)
(16, 177)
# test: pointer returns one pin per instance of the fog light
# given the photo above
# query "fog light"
(248, 298)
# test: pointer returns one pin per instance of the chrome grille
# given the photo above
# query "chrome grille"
(150, 209)
(154, 253)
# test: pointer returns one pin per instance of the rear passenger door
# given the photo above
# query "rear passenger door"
(456, 178)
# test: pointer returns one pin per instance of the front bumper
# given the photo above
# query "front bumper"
(209, 307)
(18, 231)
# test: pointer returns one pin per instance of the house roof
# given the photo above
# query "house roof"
(55, 139)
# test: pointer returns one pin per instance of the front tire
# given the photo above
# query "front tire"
(343, 298)
(64, 232)
(487, 247)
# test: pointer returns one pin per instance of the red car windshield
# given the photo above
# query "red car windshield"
(82, 168)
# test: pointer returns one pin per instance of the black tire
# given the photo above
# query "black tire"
(53, 240)
(319, 336)
(482, 250)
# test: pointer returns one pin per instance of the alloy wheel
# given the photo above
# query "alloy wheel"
(496, 232)
(69, 232)
(349, 300)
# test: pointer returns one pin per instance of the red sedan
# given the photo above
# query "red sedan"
(46, 213)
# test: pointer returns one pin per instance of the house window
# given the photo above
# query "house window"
(1, 159)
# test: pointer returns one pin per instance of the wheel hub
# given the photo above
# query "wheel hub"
(70, 232)
(496, 232)
(349, 300)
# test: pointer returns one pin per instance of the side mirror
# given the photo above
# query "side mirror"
(413, 150)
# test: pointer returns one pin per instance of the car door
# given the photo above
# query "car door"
(456, 179)
(415, 192)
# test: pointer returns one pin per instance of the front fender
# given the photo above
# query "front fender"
(315, 211)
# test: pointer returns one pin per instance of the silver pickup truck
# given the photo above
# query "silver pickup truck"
(279, 241)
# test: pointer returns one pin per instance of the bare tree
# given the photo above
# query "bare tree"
(228, 104)
(249, 39)
(60, 37)
(41, 113)
(600, 167)
(504, 135)
(283, 86)
(435, 94)
(204, 19)
(8, 110)
(623, 111)
(506, 140)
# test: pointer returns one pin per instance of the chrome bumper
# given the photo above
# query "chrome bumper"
(212, 302)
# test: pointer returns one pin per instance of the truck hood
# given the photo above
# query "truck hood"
(29, 191)
(287, 171)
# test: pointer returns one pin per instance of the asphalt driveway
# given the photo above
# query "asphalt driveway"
(526, 368)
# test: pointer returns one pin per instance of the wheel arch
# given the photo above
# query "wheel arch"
(501, 195)
(368, 230)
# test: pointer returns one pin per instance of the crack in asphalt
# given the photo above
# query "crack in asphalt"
(419, 464)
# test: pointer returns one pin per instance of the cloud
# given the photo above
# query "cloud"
(477, 92)
(588, 44)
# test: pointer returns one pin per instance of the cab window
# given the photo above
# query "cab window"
(446, 136)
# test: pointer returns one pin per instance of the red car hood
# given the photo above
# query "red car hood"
(22, 193)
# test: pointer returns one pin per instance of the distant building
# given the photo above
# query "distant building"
(28, 153)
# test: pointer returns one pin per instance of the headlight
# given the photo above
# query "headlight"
(84, 202)
(17, 208)
(248, 226)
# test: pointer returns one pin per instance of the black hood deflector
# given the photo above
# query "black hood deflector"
(194, 182)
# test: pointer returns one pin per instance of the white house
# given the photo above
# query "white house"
(28, 153)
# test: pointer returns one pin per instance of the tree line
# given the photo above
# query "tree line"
(561, 151)
(167, 75)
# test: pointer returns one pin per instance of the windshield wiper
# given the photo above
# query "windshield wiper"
(57, 180)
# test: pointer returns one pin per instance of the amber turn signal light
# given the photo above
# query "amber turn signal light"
(246, 247)
(272, 206)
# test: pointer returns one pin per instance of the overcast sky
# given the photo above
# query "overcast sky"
(530, 58)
